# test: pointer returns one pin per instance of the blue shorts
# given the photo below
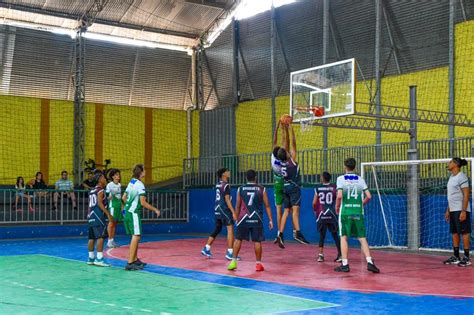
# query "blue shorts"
(291, 196)
(250, 232)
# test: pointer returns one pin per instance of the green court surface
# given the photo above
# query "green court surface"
(36, 284)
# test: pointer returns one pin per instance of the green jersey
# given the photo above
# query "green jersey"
(114, 192)
(353, 187)
(134, 191)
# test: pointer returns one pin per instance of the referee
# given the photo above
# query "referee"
(458, 213)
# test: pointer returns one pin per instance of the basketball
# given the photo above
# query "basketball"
(318, 111)
(286, 120)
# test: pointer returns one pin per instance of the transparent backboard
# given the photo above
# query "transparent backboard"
(323, 91)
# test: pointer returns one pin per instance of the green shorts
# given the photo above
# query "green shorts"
(132, 223)
(352, 226)
(278, 191)
(116, 212)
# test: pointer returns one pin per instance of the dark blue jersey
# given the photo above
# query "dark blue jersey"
(326, 210)
(291, 173)
(221, 209)
(251, 208)
(96, 217)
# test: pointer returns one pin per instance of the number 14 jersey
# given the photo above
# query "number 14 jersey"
(353, 187)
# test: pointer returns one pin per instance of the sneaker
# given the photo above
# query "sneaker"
(465, 262)
(140, 263)
(90, 261)
(259, 267)
(342, 268)
(110, 245)
(232, 265)
(229, 256)
(298, 236)
(132, 266)
(206, 252)
(320, 257)
(281, 241)
(338, 259)
(372, 267)
(115, 244)
(453, 260)
(100, 263)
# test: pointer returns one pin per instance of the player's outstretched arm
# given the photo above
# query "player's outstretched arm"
(275, 134)
(100, 196)
(293, 143)
(339, 201)
(286, 138)
(268, 209)
(148, 206)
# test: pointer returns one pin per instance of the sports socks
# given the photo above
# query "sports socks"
(208, 247)
(91, 255)
(100, 255)
(456, 251)
(369, 260)
(466, 253)
(345, 262)
(230, 250)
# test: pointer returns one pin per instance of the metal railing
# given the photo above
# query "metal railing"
(201, 172)
(34, 206)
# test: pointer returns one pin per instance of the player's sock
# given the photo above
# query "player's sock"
(345, 262)
(230, 250)
(466, 253)
(208, 247)
(234, 258)
(111, 240)
(100, 255)
(91, 255)
(369, 260)
(456, 251)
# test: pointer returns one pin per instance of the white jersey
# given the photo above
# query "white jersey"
(455, 195)
(134, 190)
(114, 189)
(277, 166)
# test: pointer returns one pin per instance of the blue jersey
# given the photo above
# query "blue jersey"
(251, 208)
(96, 217)
(291, 173)
(221, 210)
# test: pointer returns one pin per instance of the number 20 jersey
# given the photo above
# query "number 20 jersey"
(353, 187)
(326, 210)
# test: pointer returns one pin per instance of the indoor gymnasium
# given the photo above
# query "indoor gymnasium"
(236, 156)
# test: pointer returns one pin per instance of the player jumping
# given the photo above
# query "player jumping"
(350, 202)
(324, 205)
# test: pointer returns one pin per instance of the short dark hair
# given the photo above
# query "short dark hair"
(221, 172)
(459, 162)
(326, 177)
(282, 154)
(137, 170)
(63, 172)
(113, 171)
(350, 163)
(251, 175)
(97, 175)
(275, 151)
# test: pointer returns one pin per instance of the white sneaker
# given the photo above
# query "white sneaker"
(100, 263)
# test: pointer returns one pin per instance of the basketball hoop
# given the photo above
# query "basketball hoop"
(305, 117)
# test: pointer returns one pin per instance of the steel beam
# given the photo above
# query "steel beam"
(451, 72)
(378, 77)
(325, 57)
(272, 66)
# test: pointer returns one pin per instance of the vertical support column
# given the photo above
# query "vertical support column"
(99, 134)
(325, 56)
(235, 62)
(272, 66)
(413, 198)
(451, 132)
(44, 139)
(194, 101)
(378, 42)
(148, 145)
(79, 112)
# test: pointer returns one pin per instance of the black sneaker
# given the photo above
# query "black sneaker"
(320, 257)
(139, 262)
(280, 241)
(465, 262)
(453, 260)
(342, 268)
(133, 266)
(298, 236)
(275, 241)
(372, 267)
(338, 259)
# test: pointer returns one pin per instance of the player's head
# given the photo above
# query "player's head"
(282, 154)
(325, 177)
(275, 151)
(19, 180)
(114, 175)
(251, 176)
(350, 164)
(99, 178)
(223, 173)
(138, 171)
(456, 163)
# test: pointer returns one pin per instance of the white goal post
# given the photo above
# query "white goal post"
(408, 203)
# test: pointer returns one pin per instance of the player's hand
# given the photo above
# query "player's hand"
(270, 225)
(462, 216)
(234, 216)
(111, 218)
(158, 212)
(446, 216)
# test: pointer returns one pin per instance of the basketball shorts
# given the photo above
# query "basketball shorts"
(352, 226)
(225, 217)
(331, 225)
(116, 212)
(291, 196)
(278, 191)
(246, 233)
(458, 227)
(98, 231)
(132, 223)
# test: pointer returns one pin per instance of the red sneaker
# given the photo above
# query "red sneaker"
(259, 267)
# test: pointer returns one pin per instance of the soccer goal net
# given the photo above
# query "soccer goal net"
(409, 200)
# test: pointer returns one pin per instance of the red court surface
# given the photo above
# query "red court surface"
(412, 274)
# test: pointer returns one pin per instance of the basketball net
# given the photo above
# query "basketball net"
(305, 117)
